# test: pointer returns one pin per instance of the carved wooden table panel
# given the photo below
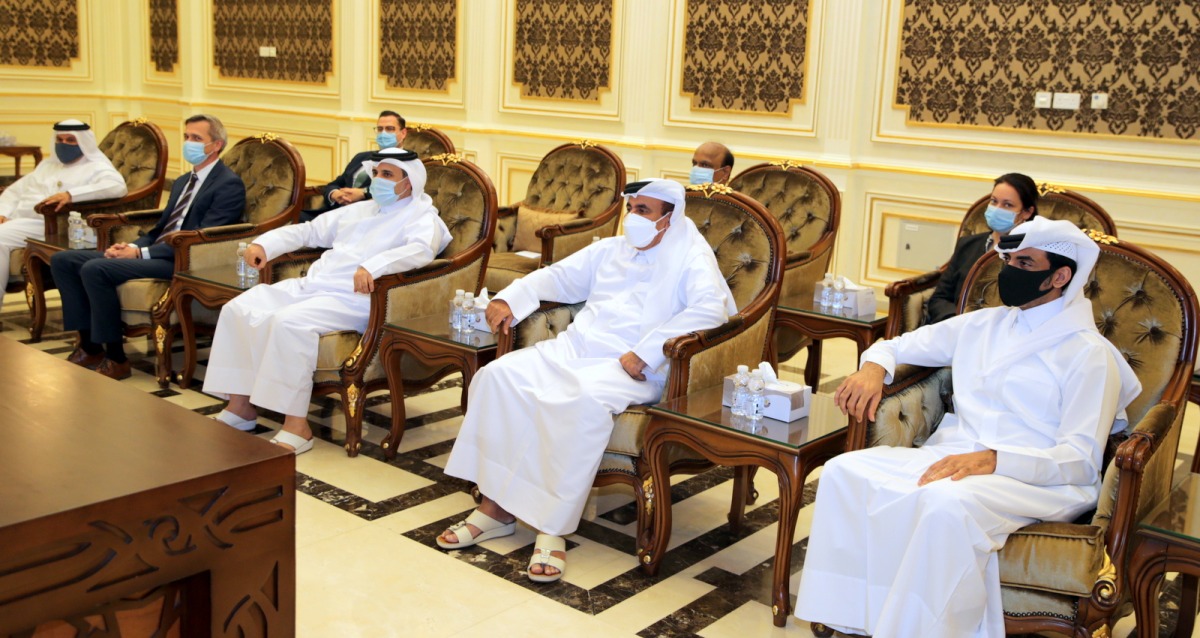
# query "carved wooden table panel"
(107, 491)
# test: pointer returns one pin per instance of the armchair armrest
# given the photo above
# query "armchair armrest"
(544, 323)
(290, 265)
(901, 317)
(1144, 477)
(113, 228)
(208, 246)
(911, 407)
(140, 198)
(561, 240)
(797, 258)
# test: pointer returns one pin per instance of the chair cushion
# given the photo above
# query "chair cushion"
(530, 219)
(1018, 602)
(796, 199)
(140, 295)
(505, 268)
(269, 175)
(425, 143)
(575, 180)
(16, 261)
(1058, 558)
(629, 429)
(133, 151)
(461, 203)
(742, 247)
(334, 348)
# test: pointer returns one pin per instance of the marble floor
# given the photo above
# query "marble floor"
(367, 564)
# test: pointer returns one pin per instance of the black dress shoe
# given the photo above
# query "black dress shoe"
(80, 357)
(114, 370)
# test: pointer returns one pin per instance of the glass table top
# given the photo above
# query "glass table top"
(824, 418)
(1179, 514)
(437, 327)
(804, 304)
(224, 275)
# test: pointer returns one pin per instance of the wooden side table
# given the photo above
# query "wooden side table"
(431, 341)
(817, 323)
(1168, 540)
(37, 258)
(790, 450)
(212, 288)
(17, 152)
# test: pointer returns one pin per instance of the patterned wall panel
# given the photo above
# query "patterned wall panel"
(39, 32)
(563, 48)
(745, 55)
(164, 34)
(979, 63)
(300, 30)
(419, 43)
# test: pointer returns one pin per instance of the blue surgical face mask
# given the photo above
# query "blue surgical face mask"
(194, 153)
(1000, 220)
(386, 140)
(383, 191)
(701, 175)
(67, 153)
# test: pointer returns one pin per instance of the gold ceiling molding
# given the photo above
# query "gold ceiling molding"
(164, 35)
(41, 33)
(563, 48)
(745, 56)
(980, 63)
(300, 30)
(418, 44)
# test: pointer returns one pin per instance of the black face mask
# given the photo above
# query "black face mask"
(1019, 287)
(67, 153)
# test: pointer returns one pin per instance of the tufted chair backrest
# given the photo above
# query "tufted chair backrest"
(1141, 304)
(426, 141)
(579, 178)
(138, 150)
(804, 202)
(273, 173)
(1053, 203)
(744, 237)
(465, 199)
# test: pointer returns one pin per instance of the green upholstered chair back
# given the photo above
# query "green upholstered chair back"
(804, 202)
(740, 232)
(465, 199)
(578, 178)
(273, 173)
(1140, 304)
(426, 141)
(1052, 203)
(138, 150)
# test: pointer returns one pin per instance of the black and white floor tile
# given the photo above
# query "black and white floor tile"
(367, 564)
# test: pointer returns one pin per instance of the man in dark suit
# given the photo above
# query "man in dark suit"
(354, 184)
(211, 195)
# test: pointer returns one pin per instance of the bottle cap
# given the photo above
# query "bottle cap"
(743, 368)
(460, 291)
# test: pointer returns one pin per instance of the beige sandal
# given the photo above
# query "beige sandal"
(542, 549)
(489, 528)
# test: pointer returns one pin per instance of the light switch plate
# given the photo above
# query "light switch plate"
(1099, 101)
(1066, 101)
(266, 52)
(1042, 99)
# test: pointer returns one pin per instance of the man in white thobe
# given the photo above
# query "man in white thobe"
(540, 418)
(76, 172)
(264, 350)
(905, 540)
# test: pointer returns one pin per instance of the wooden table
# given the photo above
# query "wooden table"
(107, 491)
(431, 341)
(1168, 540)
(817, 323)
(790, 450)
(211, 288)
(17, 152)
(37, 262)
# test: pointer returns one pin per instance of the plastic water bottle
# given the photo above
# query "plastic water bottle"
(74, 230)
(87, 233)
(739, 391)
(241, 262)
(468, 312)
(827, 290)
(839, 294)
(755, 400)
(456, 310)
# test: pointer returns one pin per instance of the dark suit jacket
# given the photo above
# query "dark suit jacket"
(345, 180)
(220, 201)
(944, 302)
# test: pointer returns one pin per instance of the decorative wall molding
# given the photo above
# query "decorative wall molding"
(39, 33)
(164, 35)
(300, 30)
(980, 63)
(419, 43)
(745, 56)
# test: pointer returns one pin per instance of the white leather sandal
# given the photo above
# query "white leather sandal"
(489, 528)
(299, 444)
(541, 556)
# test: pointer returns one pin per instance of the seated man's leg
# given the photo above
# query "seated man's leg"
(100, 278)
(13, 234)
(77, 311)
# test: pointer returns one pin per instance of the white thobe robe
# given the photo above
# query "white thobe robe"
(539, 418)
(85, 180)
(265, 345)
(889, 558)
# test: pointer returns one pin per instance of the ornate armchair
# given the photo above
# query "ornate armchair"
(574, 195)
(749, 246)
(138, 150)
(348, 362)
(808, 207)
(426, 141)
(1070, 577)
(907, 298)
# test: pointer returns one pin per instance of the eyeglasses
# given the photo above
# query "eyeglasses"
(386, 129)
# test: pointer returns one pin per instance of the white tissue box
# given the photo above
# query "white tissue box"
(858, 301)
(785, 401)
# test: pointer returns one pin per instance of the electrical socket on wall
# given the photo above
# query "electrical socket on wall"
(1099, 101)
(1066, 101)
(266, 52)
(1042, 99)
